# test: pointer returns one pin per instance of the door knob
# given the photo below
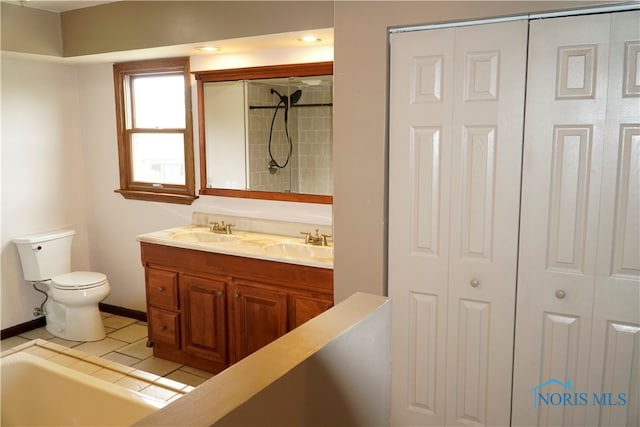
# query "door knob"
(474, 283)
(560, 294)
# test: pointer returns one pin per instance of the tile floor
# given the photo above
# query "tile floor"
(125, 344)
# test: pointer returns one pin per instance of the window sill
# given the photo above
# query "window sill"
(150, 196)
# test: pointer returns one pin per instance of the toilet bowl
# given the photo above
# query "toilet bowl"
(72, 312)
(71, 308)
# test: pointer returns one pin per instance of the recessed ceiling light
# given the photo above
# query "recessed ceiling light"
(310, 39)
(208, 49)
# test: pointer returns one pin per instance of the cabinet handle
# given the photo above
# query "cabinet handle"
(474, 283)
(160, 289)
(219, 293)
(560, 294)
(236, 295)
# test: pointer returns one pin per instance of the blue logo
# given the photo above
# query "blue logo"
(569, 396)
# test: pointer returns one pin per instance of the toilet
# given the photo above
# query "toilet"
(71, 309)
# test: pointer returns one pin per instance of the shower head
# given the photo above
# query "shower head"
(288, 101)
(295, 97)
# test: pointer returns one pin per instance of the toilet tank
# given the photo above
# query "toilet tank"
(45, 255)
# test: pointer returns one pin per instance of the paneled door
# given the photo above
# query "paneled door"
(259, 317)
(456, 123)
(578, 317)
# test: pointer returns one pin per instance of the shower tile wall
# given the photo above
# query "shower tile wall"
(309, 170)
(259, 126)
(315, 136)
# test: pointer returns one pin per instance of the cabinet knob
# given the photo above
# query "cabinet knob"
(236, 295)
(474, 283)
(160, 289)
(219, 293)
(560, 294)
(163, 328)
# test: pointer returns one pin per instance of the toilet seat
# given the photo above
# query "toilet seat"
(79, 280)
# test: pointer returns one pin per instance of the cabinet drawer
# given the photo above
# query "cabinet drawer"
(162, 288)
(164, 327)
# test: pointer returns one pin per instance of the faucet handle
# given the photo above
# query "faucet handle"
(324, 239)
(228, 227)
(307, 236)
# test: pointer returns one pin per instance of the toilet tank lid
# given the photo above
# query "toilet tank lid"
(43, 237)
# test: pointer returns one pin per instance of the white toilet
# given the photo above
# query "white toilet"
(71, 309)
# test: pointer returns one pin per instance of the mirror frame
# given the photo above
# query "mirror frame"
(252, 73)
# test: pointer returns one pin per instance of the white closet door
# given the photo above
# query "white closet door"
(571, 161)
(456, 112)
(421, 103)
(488, 115)
(615, 345)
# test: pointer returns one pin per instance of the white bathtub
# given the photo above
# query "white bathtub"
(36, 392)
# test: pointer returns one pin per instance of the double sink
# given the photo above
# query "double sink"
(245, 243)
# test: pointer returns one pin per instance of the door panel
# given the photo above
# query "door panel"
(419, 182)
(560, 203)
(454, 192)
(260, 317)
(577, 311)
(615, 342)
(488, 115)
(204, 313)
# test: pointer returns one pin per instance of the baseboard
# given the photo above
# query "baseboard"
(22, 328)
(121, 311)
(41, 321)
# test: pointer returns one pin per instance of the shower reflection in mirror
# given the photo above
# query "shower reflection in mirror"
(280, 129)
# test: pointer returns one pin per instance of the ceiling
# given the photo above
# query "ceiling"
(56, 5)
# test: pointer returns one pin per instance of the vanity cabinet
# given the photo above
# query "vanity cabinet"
(210, 310)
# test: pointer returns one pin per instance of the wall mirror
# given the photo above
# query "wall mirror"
(267, 132)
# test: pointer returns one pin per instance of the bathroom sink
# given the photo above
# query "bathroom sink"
(300, 251)
(203, 237)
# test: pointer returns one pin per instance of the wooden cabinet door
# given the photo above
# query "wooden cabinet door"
(259, 317)
(204, 316)
(303, 308)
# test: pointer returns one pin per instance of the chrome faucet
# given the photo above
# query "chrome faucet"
(220, 228)
(317, 240)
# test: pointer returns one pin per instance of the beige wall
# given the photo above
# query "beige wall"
(129, 25)
(143, 24)
(30, 30)
(360, 131)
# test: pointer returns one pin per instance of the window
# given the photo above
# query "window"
(155, 136)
